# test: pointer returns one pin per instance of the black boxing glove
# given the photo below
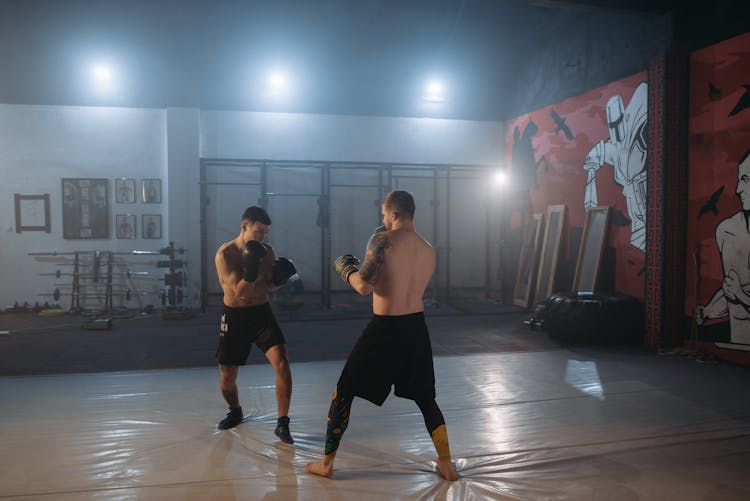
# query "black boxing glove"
(282, 270)
(252, 253)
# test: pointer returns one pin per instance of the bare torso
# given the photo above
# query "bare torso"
(237, 292)
(408, 265)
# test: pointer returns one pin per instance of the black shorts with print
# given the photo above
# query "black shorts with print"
(241, 327)
(393, 351)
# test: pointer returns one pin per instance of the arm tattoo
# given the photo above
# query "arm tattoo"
(374, 258)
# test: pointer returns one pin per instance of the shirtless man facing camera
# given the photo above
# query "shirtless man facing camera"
(247, 270)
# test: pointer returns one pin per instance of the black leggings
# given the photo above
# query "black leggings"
(338, 418)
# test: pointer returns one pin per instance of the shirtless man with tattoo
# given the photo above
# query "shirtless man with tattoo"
(394, 349)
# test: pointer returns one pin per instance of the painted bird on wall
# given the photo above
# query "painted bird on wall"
(561, 125)
(743, 102)
(710, 205)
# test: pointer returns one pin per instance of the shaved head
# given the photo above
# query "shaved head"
(400, 201)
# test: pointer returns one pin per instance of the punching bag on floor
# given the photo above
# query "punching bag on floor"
(600, 317)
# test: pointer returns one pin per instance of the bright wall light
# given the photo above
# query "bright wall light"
(277, 83)
(102, 77)
(434, 91)
(101, 73)
(500, 178)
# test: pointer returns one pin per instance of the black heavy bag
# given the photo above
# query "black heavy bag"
(600, 317)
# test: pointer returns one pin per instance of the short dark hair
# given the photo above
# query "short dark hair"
(402, 201)
(256, 213)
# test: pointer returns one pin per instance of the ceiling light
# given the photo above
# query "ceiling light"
(277, 83)
(101, 73)
(434, 92)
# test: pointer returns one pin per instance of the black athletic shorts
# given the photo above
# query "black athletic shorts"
(392, 351)
(241, 327)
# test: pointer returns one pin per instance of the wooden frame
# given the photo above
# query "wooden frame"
(528, 261)
(592, 248)
(32, 213)
(548, 261)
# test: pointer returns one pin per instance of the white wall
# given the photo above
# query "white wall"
(288, 136)
(39, 145)
(183, 165)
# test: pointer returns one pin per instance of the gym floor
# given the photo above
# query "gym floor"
(131, 412)
(36, 344)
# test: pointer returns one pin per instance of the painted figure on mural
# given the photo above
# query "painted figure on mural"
(733, 240)
(625, 151)
(523, 161)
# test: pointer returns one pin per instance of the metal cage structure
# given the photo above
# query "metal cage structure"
(322, 209)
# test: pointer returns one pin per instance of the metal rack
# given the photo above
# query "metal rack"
(94, 282)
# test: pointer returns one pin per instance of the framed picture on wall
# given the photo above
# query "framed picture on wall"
(125, 226)
(151, 226)
(151, 191)
(32, 213)
(125, 191)
(85, 206)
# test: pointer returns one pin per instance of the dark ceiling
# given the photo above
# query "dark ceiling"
(365, 57)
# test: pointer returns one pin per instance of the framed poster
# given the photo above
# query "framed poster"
(151, 226)
(592, 248)
(125, 226)
(125, 191)
(528, 261)
(85, 208)
(151, 191)
(32, 213)
(545, 281)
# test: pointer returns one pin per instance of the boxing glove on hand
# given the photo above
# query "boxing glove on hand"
(251, 256)
(346, 265)
(282, 270)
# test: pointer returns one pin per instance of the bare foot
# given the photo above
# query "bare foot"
(320, 468)
(446, 469)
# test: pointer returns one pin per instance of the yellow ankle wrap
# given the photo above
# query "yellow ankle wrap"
(440, 439)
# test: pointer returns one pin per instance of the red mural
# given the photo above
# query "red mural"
(718, 239)
(590, 150)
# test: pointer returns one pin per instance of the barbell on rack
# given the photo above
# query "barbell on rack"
(163, 251)
(127, 293)
(58, 274)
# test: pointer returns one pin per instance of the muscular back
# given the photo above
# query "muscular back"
(400, 264)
